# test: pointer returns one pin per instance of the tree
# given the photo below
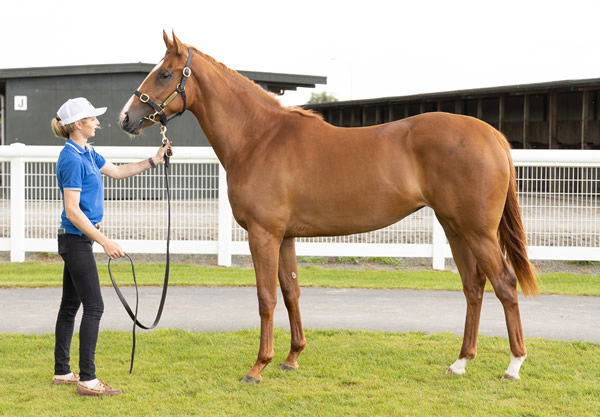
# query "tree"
(316, 98)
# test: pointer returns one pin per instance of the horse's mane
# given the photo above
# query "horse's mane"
(261, 92)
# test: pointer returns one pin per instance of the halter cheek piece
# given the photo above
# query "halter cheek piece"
(159, 109)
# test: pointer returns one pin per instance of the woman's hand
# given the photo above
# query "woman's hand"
(160, 154)
(112, 249)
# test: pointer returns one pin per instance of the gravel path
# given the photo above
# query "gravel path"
(224, 309)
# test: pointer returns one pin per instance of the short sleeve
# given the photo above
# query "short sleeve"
(98, 159)
(70, 174)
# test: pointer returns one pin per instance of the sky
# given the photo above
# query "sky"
(366, 49)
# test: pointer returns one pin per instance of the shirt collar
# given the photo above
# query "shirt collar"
(78, 148)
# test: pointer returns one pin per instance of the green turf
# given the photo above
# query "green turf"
(32, 274)
(342, 373)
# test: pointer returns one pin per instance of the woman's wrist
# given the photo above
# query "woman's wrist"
(152, 163)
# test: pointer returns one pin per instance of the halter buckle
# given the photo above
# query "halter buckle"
(153, 117)
(187, 72)
(144, 97)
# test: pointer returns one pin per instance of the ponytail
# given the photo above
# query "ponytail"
(60, 130)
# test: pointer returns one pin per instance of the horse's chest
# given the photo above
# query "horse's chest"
(246, 203)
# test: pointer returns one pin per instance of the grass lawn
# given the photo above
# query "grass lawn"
(32, 274)
(342, 373)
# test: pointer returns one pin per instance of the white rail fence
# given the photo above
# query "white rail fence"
(558, 192)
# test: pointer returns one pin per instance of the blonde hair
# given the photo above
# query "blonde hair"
(60, 130)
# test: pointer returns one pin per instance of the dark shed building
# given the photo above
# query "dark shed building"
(551, 115)
(30, 98)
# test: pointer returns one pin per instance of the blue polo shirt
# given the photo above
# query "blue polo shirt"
(79, 169)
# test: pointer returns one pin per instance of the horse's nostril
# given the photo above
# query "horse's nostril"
(124, 120)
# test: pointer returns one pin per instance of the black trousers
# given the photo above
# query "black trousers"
(80, 286)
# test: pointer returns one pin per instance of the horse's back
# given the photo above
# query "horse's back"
(420, 150)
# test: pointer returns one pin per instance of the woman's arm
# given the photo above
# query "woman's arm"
(134, 168)
(81, 222)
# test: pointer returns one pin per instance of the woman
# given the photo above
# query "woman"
(78, 173)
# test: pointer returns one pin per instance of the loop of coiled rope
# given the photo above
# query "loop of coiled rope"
(132, 314)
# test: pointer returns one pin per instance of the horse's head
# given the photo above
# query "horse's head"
(162, 93)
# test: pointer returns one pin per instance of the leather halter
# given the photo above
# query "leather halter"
(159, 109)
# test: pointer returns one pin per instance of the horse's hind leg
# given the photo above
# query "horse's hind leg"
(288, 279)
(490, 259)
(473, 281)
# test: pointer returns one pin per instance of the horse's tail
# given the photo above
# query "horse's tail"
(511, 233)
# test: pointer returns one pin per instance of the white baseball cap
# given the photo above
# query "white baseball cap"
(78, 108)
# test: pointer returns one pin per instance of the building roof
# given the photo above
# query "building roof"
(569, 85)
(275, 82)
(40, 72)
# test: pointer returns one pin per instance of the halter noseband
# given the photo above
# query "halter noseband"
(159, 109)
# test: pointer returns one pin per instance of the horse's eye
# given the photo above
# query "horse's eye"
(165, 75)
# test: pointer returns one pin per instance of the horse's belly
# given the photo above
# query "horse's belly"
(346, 220)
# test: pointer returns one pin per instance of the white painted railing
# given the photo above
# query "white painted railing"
(558, 191)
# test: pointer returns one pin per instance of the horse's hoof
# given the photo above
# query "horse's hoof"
(250, 380)
(285, 367)
(510, 377)
(451, 371)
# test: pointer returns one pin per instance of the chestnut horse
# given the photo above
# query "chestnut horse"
(290, 174)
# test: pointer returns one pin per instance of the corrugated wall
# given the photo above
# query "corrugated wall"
(45, 95)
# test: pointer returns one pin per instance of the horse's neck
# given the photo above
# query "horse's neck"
(229, 110)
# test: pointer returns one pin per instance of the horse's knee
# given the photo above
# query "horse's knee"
(290, 296)
(291, 302)
(266, 305)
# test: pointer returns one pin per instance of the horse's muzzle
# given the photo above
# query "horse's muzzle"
(128, 126)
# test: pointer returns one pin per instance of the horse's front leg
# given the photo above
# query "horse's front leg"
(288, 279)
(264, 247)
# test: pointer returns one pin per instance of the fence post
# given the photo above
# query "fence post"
(439, 244)
(225, 220)
(17, 206)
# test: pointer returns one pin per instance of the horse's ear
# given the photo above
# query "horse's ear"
(177, 44)
(168, 42)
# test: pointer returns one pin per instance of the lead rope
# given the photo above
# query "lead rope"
(163, 297)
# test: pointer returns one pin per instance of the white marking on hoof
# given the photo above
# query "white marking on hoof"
(458, 367)
(512, 372)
